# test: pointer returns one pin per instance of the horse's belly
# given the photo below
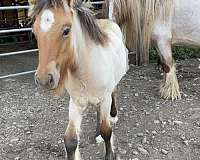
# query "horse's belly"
(186, 23)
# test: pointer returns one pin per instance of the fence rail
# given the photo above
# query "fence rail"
(18, 52)
(3, 31)
(15, 30)
(13, 7)
(17, 74)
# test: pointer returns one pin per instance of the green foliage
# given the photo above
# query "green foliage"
(185, 53)
(178, 53)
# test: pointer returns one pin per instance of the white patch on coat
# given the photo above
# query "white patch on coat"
(113, 120)
(99, 139)
(75, 115)
(47, 20)
(162, 31)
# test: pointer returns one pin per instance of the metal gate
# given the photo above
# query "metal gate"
(24, 29)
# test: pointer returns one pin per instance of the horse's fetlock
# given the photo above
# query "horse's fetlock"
(111, 156)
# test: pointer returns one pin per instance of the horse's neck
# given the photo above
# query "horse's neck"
(79, 39)
(81, 44)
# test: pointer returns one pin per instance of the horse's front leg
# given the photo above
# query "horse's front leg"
(71, 137)
(113, 116)
(169, 88)
(105, 127)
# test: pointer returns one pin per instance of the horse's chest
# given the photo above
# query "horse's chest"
(86, 100)
(83, 94)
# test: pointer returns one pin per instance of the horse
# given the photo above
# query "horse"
(162, 23)
(83, 55)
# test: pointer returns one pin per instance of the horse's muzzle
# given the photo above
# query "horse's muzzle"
(46, 81)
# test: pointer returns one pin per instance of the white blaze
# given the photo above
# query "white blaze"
(47, 20)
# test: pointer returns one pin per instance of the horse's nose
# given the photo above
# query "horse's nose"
(47, 81)
(51, 81)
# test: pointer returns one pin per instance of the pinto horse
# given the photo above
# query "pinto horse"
(164, 23)
(85, 56)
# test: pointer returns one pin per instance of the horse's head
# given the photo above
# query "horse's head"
(52, 21)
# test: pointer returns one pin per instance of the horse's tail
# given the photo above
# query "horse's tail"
(137, 18)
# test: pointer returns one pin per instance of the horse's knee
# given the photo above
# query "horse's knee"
(167, 63)
(105, 131)
(165, 51)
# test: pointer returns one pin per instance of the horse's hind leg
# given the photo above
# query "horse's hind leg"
(72, 133)
(169, 88)
(105, 127)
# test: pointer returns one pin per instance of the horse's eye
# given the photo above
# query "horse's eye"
(66, 32)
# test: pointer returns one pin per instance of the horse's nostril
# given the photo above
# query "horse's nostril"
(51, 80)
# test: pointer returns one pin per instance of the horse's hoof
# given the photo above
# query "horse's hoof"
(111, 156)
(170, 92)
(170, 88)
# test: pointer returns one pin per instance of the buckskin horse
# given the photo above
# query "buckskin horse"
(85, 56)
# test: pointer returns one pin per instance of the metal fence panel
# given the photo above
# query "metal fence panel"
(23, 30)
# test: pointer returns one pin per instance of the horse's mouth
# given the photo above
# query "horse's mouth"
(49, 81)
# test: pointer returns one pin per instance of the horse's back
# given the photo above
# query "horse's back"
(116, 48)
(186, 22)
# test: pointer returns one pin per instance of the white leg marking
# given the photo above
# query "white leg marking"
(113, 120)
(75, 116)
(106, 107)
(77, 154)
(99, 139)
(169, 87)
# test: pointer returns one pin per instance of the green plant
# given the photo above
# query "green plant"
(178, 53)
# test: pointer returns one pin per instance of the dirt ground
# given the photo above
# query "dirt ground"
(32, 122)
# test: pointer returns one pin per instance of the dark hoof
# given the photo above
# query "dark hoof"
(71, 146)
(111, 156)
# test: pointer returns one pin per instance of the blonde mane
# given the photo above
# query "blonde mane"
(137, 18)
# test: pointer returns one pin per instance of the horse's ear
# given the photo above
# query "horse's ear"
(32, 4)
